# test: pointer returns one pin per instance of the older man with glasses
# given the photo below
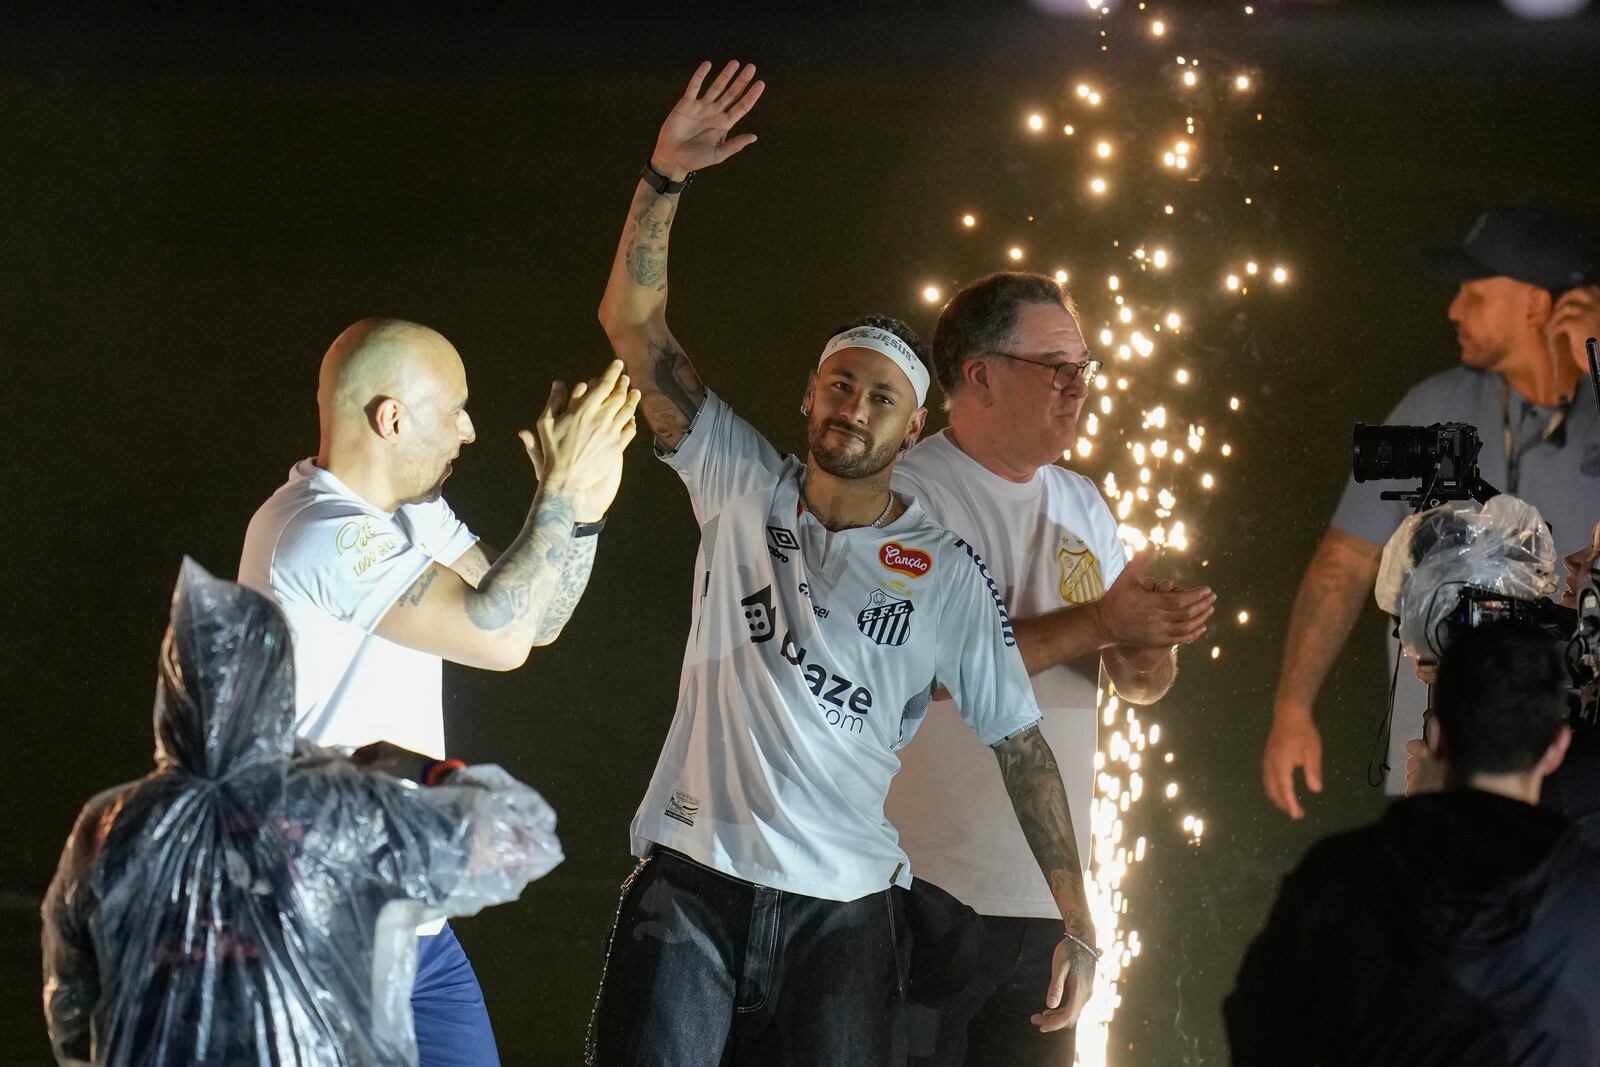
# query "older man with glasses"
(1015, 370)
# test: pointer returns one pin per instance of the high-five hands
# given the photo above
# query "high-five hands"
(695, 135)
(577, 445)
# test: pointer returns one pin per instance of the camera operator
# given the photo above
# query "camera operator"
(1460, 927)
(1537, 418)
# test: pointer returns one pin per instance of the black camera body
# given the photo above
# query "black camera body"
(1444, 456)
(1476, 606)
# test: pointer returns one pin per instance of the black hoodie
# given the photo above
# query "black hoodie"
(1459, 930)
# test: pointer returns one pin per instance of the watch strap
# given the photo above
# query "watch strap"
(661, 183)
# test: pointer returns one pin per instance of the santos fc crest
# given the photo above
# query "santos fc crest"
(886, 620)
(1081, 582)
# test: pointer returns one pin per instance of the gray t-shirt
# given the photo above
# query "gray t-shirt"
(1557, 472)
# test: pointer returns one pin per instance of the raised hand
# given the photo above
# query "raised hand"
(579, 440)
(1142, 612)
(695, 135)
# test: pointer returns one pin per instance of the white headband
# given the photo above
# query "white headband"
(886, 344)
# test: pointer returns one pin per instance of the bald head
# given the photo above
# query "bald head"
(391, 400)
(377, 358)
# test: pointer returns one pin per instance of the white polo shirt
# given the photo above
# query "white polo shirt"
(810, 660)
(335, 564)
(1049, 542)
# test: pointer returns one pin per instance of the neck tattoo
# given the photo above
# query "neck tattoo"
(876, 523)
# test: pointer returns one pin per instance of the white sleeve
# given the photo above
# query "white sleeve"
(721, 457)
(978, 661)
(348, 561)
(439, 532)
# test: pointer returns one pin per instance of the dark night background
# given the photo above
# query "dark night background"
(193, 207)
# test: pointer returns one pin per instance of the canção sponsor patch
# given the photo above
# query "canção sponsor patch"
(912, 561)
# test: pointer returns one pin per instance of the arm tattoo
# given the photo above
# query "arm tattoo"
(1033, 782)
(523, 580)
(574, 579)
(674, 392)
(1329, 602)
(419, 588)
(646, 252)
(474, 563)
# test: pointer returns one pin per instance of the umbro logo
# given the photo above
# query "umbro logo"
(779, 542)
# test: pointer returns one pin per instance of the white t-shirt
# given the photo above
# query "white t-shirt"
(335, 564)
(1049, 542)
(810, 660)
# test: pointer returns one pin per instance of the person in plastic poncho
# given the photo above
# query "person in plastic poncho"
(252, 902)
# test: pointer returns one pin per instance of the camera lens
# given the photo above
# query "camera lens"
(1379, 452)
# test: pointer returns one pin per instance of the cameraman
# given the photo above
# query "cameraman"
(1536, 415)
(1458, 929)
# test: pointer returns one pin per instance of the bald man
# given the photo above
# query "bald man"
(381, 582)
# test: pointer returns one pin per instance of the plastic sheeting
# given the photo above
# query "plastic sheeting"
(254, 901)
(1503, 546)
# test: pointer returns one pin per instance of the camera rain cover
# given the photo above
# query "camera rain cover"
(1503, 546)
(253, 902)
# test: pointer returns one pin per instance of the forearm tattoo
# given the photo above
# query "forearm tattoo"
(649, 225)
(574, 579)
(474, 564)
(524, 580)
(419, 588)
(1033, 782)
(1325, 611)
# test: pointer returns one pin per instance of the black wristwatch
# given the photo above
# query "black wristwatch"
(661, 183)
(588, 529)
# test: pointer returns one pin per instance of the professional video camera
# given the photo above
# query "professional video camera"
(1444, 456)
(1469, 555)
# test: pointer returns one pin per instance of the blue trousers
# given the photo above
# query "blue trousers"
(452, 1022)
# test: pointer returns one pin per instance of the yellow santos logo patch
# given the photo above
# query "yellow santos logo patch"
(1080, 572)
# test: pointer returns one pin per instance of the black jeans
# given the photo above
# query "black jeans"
(705, 970)
(987, 1024)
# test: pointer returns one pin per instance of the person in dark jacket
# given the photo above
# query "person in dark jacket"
(252, 902)
(1462, 928)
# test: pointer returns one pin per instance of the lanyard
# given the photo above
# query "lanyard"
(1513, 458)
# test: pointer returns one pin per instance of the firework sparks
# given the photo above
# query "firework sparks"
(1145, 422)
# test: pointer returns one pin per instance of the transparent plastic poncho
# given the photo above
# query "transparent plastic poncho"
(254, 901)
(1503, 546)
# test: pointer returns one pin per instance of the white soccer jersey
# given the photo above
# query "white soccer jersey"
(335, 564)
(810, 660)
(1049, 542)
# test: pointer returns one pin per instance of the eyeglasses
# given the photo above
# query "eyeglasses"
(1063, 374)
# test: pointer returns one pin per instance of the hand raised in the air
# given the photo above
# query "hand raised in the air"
(696, 133)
